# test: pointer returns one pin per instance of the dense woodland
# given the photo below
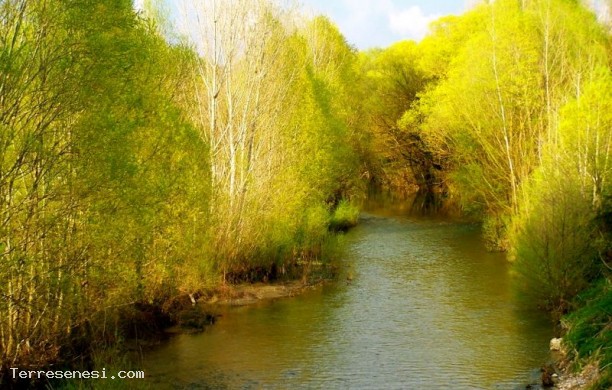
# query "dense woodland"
(144, 158)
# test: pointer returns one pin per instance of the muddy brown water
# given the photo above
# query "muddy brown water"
(427, 308)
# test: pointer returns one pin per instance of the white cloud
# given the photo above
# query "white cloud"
(363, 21)
(370, 23)
(410, 22)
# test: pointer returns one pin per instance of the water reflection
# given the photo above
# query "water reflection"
(428, 308)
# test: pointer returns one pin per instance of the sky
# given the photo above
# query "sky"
(379, 23)
(373, 23)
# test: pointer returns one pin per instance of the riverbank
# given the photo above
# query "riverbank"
(196, 315)
(586, 349)
(401, 277)
(585, 379)
(192, 313)
(251, 293)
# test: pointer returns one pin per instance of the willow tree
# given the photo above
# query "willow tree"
(94, 155)
(496, 106)
(487, 109)
(330, 66)
(37, 240)
(572, 47)
(392, 79)
(238, 103)
(558, 244)
(586, 137)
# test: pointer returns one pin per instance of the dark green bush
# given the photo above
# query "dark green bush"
(590, 329)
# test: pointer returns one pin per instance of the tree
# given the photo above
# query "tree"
(552, 237)
(36, 228)
(255, 70)
(93, 147)
(495, 109)
(391, 84)
(585, 137)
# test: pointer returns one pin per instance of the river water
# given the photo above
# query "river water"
(427, 308)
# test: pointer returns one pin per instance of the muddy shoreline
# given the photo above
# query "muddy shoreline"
(194, 314)
(248, 294)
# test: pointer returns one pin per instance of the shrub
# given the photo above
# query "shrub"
(344, 216)
(552, 239)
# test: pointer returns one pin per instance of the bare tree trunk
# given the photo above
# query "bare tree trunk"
(505, 127)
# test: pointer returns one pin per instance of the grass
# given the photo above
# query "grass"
(590, 330)
(344, 217)
(110, 361)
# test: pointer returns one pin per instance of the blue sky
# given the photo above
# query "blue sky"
(371, 23)
(379, 23)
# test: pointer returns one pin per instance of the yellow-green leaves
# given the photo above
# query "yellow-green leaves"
(585, 137)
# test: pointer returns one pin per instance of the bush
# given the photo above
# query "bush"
(552, 239)
(494, 233)
(344, 216)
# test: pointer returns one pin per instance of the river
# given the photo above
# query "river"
(427, 308)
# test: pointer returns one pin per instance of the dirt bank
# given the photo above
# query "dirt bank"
(247, 294)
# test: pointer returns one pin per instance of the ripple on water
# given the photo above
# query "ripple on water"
(428, 308)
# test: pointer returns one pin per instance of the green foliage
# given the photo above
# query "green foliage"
(345, 216)
(585, 136)
(289, 153)
(135, 170)
(105, 161)
(107, 362)
(496, 105)
(483, 115)
(589, 332)
(111, 192)
(494, 233)
(448, 35)
(553, 238)
(556, 238)
(391, 80)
